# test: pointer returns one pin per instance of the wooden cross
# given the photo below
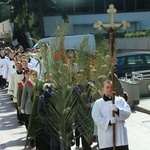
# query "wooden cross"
(111, 11)
(111, 27)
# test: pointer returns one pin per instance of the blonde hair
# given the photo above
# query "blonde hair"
(32, 70)
(107, 81)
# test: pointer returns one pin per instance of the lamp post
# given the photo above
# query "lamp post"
(111, 27)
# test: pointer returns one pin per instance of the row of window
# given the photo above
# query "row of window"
(99, 6)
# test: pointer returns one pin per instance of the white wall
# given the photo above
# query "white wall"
(5, 29)
(139, 43)
(83, 24)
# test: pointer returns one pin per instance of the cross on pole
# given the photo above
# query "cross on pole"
(111, 27)
(111, 11)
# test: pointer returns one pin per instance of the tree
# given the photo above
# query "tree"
(20, 17)
(4, 10)
(27, 17)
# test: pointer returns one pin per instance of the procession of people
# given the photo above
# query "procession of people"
(57, 100)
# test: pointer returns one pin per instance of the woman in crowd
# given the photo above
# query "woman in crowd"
(20, 90)
(27, 98)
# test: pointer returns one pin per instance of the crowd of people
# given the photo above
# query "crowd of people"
(92, 120)
(18, 69)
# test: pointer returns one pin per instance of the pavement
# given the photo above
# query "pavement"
(13, 136)
(144, 105)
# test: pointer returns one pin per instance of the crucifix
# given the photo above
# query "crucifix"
(111, 28)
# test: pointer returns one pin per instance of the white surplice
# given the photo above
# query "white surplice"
(13, 85)
(3, 66)
(102, 113)
(7, 65)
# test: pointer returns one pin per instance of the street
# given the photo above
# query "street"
(12, 136)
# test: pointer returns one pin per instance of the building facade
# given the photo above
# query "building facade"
(82, 14)
(6, 31)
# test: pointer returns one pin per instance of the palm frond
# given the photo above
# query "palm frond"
(62, 109)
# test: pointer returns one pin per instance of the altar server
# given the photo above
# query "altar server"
(102, 116)
(13, 85)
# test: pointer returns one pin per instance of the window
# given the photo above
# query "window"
(120, 61)
(84, 6)
(147, 58)
(99, 6)
(130, 5)
(68, 6)
(131, 60)
(143, 4)
(135, 60)
(118, 4)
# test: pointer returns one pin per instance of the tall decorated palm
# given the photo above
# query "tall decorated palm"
(62, 109)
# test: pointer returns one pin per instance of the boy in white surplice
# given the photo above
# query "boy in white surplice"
(102, 116)
(13, 88)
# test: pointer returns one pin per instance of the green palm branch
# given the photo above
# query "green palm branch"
(63, 109)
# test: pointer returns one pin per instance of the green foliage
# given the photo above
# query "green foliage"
(102, 36)
(148, 32)
(61, 116)
(22, 12)
(138, 33)
(4, 11)
(64, 109)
